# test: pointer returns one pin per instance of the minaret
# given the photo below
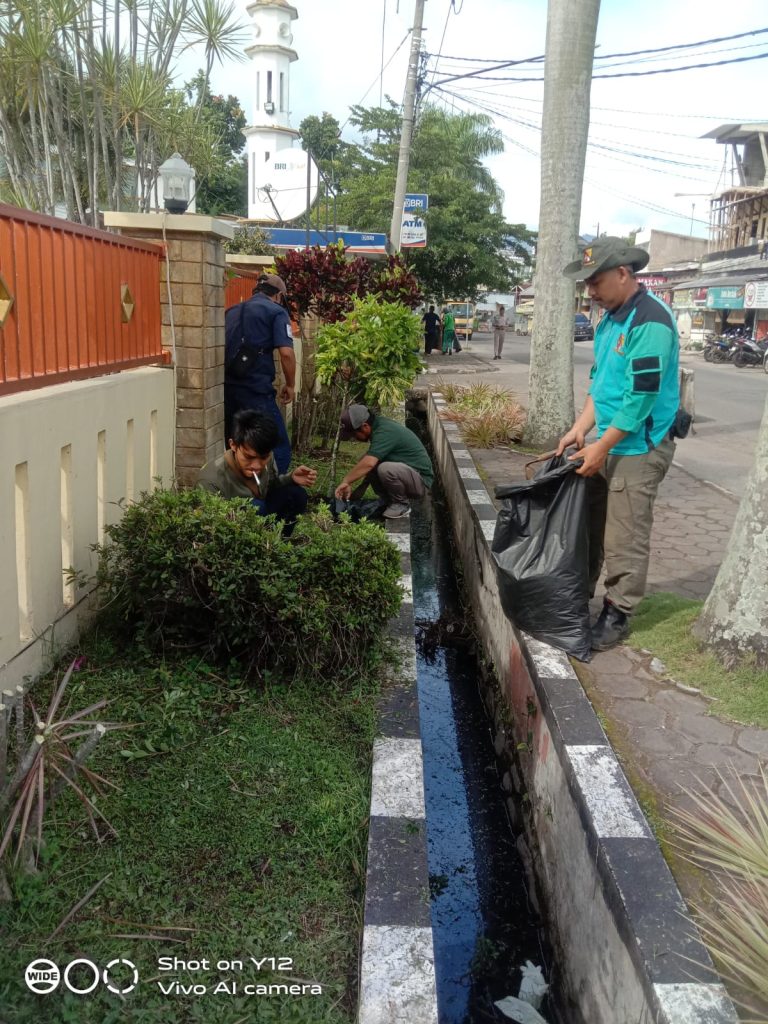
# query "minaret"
(271, 58)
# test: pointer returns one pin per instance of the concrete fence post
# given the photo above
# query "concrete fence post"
(191, 291)
(688, 392)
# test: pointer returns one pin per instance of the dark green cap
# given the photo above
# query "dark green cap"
(606, 254)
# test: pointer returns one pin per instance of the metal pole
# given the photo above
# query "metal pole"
(309, 192)
(409, 104)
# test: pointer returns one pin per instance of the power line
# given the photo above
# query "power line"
(622, 74)
(603, 124)
(637, 53)
(451, 7)
(621, 154)
(360, 101)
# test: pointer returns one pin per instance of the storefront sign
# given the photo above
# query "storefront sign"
(682, 298)
(652, 280)
(726, 298)
(756, 295)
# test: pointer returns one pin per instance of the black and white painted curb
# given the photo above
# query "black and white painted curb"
(673, 966)
(397, 969)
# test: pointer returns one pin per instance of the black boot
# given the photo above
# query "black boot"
(610, 629)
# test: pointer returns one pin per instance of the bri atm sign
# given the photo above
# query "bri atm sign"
(413, 234)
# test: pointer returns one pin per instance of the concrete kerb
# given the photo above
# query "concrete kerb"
(610, 896)
(397, 963)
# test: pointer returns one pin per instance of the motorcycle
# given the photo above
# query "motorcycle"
(718, 349)
(749, 352)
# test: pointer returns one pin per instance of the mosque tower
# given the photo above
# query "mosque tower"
(271, 58)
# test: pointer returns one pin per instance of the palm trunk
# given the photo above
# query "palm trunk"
(734, 620)
(571, 29)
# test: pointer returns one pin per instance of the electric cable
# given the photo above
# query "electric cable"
(622, 74)
(638, 53)
(595, 144)
(451, 7)
(360, 101)
(618, 159)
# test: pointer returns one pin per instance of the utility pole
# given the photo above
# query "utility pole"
(409, 106)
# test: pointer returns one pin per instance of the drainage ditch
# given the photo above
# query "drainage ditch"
(484, 919)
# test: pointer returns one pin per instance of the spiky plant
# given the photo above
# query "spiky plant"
(730, 838)
(49, 766)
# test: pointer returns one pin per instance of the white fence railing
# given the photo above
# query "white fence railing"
(69, 455)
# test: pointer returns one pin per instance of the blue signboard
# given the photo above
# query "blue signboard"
(354, 241)
(416, 202)
(726, 298)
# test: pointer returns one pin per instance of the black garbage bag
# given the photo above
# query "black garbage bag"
(369, 508)
(541, 550)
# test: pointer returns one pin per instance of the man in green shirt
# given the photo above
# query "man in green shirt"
(247, 470)
(397, 464)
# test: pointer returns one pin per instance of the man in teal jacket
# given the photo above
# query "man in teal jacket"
(633, 401)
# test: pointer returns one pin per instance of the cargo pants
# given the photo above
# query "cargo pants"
(621, 517)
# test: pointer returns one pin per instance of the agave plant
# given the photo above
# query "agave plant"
(730, 838)
(49, 766)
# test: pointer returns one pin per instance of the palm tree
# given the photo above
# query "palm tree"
(460, 142)
(734, 620)
(87, 108)
(571, 30)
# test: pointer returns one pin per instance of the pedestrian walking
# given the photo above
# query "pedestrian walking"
(499, 327)
(449, 332)
(431, 322)
(633, 400)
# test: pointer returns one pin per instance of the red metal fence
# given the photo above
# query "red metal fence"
(74, 302)
(240, 287)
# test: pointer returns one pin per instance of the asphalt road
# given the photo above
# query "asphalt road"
(729, 406)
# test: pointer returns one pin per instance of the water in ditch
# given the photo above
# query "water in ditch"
(483, 923)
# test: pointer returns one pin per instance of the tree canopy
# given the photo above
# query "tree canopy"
(222, 185)
(470, 246)
(88, 111)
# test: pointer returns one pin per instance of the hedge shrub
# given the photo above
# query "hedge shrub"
(191, 570)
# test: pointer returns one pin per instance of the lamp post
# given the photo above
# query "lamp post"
(176, 176)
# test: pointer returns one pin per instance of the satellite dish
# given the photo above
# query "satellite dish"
(281, 187)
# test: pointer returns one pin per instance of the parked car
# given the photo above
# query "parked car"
(582, 328)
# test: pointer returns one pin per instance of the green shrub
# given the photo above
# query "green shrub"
(190, 570)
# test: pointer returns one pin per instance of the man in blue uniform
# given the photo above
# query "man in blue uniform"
(254, 330)
(633, 400)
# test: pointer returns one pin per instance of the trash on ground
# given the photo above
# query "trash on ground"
(520, 1011)
(533, 988)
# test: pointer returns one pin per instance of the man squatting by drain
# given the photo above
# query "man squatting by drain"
(397, 465)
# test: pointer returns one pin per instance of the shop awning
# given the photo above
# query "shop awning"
(720, 281)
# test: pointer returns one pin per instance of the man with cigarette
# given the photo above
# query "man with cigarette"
(247, 470)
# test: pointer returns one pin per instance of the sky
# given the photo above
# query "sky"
(661, 117)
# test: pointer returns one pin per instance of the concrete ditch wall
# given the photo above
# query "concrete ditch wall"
(627, 948)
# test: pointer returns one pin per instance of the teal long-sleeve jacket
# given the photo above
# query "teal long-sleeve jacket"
(635, 377)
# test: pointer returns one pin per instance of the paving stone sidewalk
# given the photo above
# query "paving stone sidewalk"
(668, 739)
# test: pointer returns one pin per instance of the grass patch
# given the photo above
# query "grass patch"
(488, 416)
(242, 828)
(350, 453)
(662, 625)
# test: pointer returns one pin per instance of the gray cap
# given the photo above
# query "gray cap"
(273, 281)
(352, 419)
(606, 254)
